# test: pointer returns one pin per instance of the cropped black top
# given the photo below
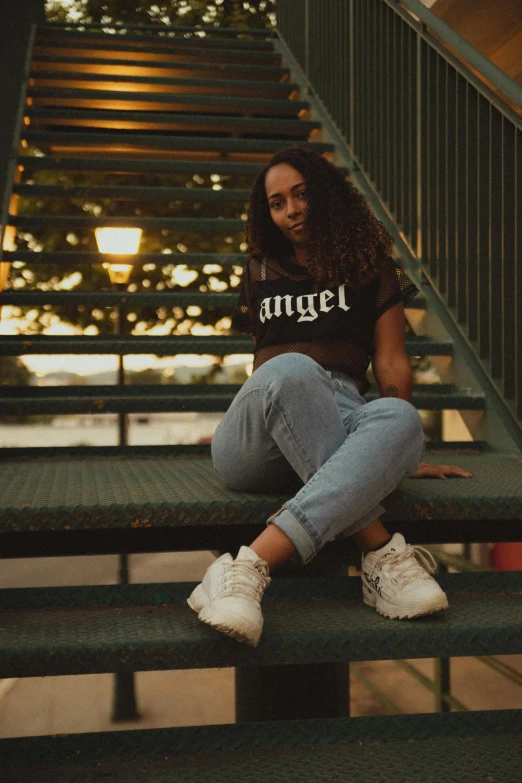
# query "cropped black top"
(334, 326)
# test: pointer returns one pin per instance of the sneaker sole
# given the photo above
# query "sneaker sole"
(198, 599)
(408, 612)
(231, 625)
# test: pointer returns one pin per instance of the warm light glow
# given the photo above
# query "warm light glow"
(118, 242)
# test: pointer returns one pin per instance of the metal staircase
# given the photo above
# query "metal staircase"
(139, 102)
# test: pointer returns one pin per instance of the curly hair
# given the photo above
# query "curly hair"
(347, 242)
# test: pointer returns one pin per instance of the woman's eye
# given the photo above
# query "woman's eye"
(275, 205)
(302, 194)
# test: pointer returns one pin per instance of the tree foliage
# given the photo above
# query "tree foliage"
(150, 277)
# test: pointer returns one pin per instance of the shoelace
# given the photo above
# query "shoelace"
(410, 564)
(245, 576)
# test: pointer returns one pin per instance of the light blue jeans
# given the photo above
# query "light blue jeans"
(295, 427)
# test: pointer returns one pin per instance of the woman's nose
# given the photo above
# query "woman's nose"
(293, 208)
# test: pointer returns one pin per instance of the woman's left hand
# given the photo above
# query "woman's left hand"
(425, 470)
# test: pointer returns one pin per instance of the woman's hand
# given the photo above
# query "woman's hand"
(425, 470)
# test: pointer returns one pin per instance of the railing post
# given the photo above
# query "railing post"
(307, 38)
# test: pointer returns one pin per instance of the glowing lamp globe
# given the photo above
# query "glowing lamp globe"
(118, 242)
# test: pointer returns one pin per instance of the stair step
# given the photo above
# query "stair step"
(127, 166)
(157, 223)
(474, 746)
(98, 629)
(126, 503)
(157, 28)
(145, 120)
(449, 448)
(86, 38)
(133, 142)
(99, 99)
(132, 192)
(170, 398)
(123, 68)
(76, 257)
(73, 79)
(169, 345)
(170, 297)
(165, 52)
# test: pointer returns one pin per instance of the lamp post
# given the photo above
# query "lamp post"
(121, 244)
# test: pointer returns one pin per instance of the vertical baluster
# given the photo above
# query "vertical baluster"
(518, 277)
(431, 154)
(509, 279)
(423, 102)
(441, 153)
(496, 325)
(394, 120)
(484, 315)
(473, 197)
(388, 75)
(451, 186)
(462, 214)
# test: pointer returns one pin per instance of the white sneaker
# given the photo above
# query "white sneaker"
(229, 597)
(396, 581)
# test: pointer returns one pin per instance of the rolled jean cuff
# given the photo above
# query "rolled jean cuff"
(360, 524)
(298, 533)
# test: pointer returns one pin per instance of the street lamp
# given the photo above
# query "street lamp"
(121, 244)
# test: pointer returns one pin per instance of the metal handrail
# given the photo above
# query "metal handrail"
(471, 55)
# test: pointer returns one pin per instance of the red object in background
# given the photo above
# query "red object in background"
(506, 557)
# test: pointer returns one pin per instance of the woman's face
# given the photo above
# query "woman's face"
(286, 193)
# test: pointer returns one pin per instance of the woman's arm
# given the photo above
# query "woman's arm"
(392, 371)
(390, 363)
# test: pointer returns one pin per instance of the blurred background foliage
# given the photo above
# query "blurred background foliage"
(148, 277)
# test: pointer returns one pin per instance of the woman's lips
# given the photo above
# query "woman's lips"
(298, 227)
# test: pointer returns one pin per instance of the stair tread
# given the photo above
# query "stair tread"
(133, 140)
(106, 118)
(230, 69)
(40, 74)
(172, 49)
(456, 747)
(57, 93)
(118, 492)
(134, 398)
(168, 345)
(88, 36)
(144, 627)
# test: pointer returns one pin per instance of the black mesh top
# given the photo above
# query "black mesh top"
(333, 326)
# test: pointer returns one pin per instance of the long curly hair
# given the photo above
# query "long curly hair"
(347, 243)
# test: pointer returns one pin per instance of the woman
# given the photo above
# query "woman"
(321, 296)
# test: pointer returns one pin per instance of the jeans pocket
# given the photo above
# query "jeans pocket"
(348, 392)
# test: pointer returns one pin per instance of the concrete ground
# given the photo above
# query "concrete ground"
(82, 703)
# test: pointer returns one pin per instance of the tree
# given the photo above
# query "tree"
(149, 278)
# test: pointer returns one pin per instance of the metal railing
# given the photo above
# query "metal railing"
(423, 116)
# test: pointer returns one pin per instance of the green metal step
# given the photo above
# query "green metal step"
(77, 257)
(171, 51)
(146, 627)
(169, 345)
(93, 99)
(171, 297)
(129, 165)
(132, 192)
(195, 449)
(134, 141)
(145, 120)
(134, 398)
(155, 223)
(160, 29)
(95, 504)
(215, 85)
(86, 38)
(101, 65)
(472, 747)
